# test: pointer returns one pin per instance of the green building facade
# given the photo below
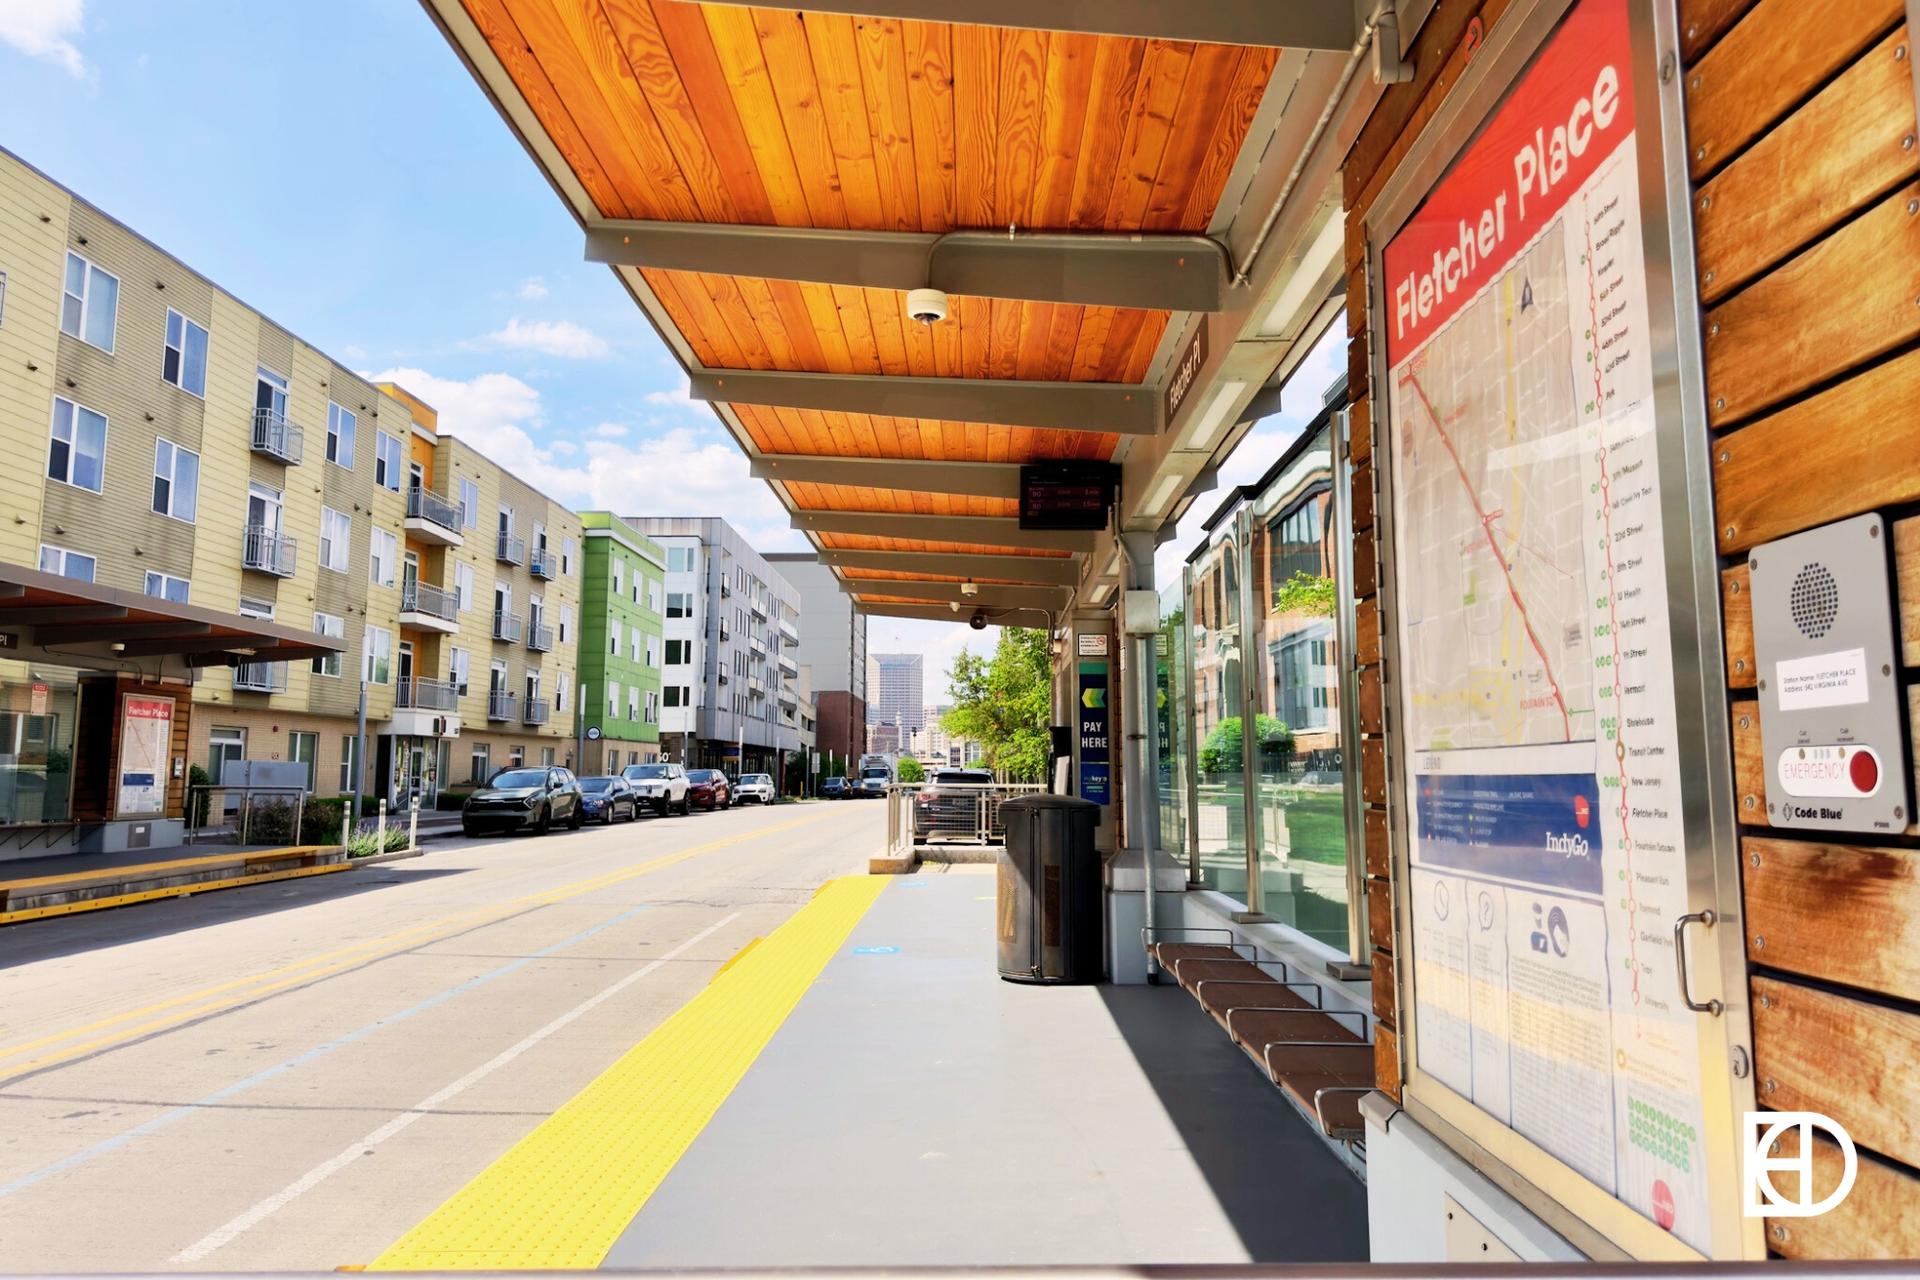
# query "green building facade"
(622, 595)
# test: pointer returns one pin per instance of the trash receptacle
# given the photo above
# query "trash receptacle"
(1048, 900)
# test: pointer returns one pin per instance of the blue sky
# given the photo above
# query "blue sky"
(331, 163)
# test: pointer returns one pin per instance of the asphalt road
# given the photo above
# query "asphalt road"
(289, 1076)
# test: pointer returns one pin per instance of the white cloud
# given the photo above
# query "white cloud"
(678, 397)
(566, 448)
(41, 29)
(610, 430)
(560, 338)
(533, 288)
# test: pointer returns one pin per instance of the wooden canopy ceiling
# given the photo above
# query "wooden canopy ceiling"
(721, 115)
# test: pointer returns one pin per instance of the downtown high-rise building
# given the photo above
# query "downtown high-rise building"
(894, 691)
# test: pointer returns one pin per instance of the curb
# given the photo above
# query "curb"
(377, 858)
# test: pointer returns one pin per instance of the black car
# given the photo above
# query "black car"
(530, 797)
(836, 789)
(607, 800)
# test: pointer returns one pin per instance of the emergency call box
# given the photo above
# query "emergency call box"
(1824, 648)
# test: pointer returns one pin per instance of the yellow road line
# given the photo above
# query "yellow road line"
(562, 1195)
(235, 992)
(171, 891)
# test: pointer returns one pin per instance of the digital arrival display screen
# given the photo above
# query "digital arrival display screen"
(1067, 495)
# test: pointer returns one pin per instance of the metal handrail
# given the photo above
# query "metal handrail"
(544, 563)
(194, 826)
(505, 626)
(260, 677)
(539, 636)
(427, 695)
(274, 436)
(535, 711)
(502, 706)
(424, 597)
(269, 551)
(425, 504)
(510, 549)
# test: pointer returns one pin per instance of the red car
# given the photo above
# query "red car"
(708, 789)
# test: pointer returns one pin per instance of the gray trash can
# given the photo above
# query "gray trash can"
(1048, 900)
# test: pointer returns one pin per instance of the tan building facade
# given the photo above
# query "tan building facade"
(170, 440)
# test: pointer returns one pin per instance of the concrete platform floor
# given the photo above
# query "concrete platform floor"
(915, 1110)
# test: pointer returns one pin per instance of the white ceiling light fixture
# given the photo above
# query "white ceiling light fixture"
(1312, 265)
(1212, 419)
(1162, 495)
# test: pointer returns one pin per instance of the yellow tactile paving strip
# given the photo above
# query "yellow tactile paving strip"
(563, 1194)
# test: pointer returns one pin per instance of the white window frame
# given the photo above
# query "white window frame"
(613, 638)
(613, 698)
(653, 707)
(74, 410)
(635, 642)
(60, 557)
(86, 298)
(653, 651)
(566, 622)
(180, 353)
(172, 477)
(462, 586)
(459, 669)
(335, 548)
(469, 503)
(342, 424)
(376, 562)
(619, 575)
(568, 549)
(633, 705)
(166, 580)
(369, 668)
(559, 691)
(653, 595)
(386, 473)
(334, 628)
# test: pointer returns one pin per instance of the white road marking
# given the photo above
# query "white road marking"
(405, 1120)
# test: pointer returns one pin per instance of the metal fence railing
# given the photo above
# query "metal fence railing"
(240, 812)
(919, 813)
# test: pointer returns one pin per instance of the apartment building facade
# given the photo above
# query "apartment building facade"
(623, 594)
(732, 635)
(833, 646)
(175, 442)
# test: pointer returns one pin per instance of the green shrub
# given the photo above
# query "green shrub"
(197, 777)
(268, 820)
(321, 818)
(365, 841)
(1220, 753)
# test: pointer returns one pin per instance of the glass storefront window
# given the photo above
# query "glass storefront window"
(1300, 802)
(36, 746)
(1219, 697)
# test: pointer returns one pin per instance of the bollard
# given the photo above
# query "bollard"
(413, 825)
(380, 830)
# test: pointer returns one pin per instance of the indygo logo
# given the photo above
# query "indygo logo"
(1761, 1198)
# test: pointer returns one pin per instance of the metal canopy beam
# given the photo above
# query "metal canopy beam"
(1064, 406)
(1289, 24)
(987, 596)
(1048, 570)
(229, 649)
(1020, 616)
(37, 615)
(1153, 272)
(107, 633)
(986, 531)
(913, 475)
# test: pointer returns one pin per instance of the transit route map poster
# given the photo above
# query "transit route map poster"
(1547, 859)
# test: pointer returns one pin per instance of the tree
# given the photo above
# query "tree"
(1221, 752)
(1005, 702)
(910, 770)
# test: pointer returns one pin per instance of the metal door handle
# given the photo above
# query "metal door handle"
(1706, 918)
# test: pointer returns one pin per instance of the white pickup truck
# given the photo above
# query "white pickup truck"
(663, 785)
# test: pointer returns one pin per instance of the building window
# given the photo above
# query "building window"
(68, 564)
(378, 648)
(185, 361)
(653, 594)
(619, 576)
(164, 586)
(176, 481)
(636, 640)
(679, 604)
(673, 692)
(386, 551)
(328, 664)
(90, 304)
(340, 427)
(653, 651)
(613, 698)
(462, 586)
(679, 559)
(613, 638)
(566, 622)
(469, 504)
(261, 609)
(347, 745)
(679, 652)
(567, 548)
(560, 691)
(633, 704)
(458, 670)
(78, 453)
(304, 748)
(224, 744)
(336, 534)
(546, 757)
(636, 585)
(388, 462)
(653, 707)
(480, 767)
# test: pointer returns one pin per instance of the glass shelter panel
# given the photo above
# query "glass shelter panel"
(1173, 746)
(1219, 702)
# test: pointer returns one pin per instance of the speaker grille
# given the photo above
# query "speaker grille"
(1815, 600)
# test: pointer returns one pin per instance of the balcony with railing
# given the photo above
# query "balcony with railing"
(274, 437)
(433, 518)
(535, 711)
(757, 604)
(502, 706)
(429, 608)
(539, 636)
(506, 627)
(545, 563)
(268, 551)
(510, 550)
(260, 677)
(427, 695)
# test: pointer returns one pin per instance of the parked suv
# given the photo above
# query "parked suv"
(663, 786)
(709, 789)
(836, 788)
(524, 796)
(754, 786)
(949, 806)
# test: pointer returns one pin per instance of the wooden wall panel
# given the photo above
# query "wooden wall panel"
(1774, 57)
(1380, 914)
(1372, 717)
(1385, 1008)
(1373, 771)
(1876, 1220)
(1379, 845)
(1856, 1062)
(1704, 21)
(1749, 771)
(1844, 913)
(1847, 147)
(1906, 559)
(1839, 304)
(1386, 1060)
(1366, 640)
(1736, 615)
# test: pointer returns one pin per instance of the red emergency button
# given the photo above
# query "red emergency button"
(1863, 771)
